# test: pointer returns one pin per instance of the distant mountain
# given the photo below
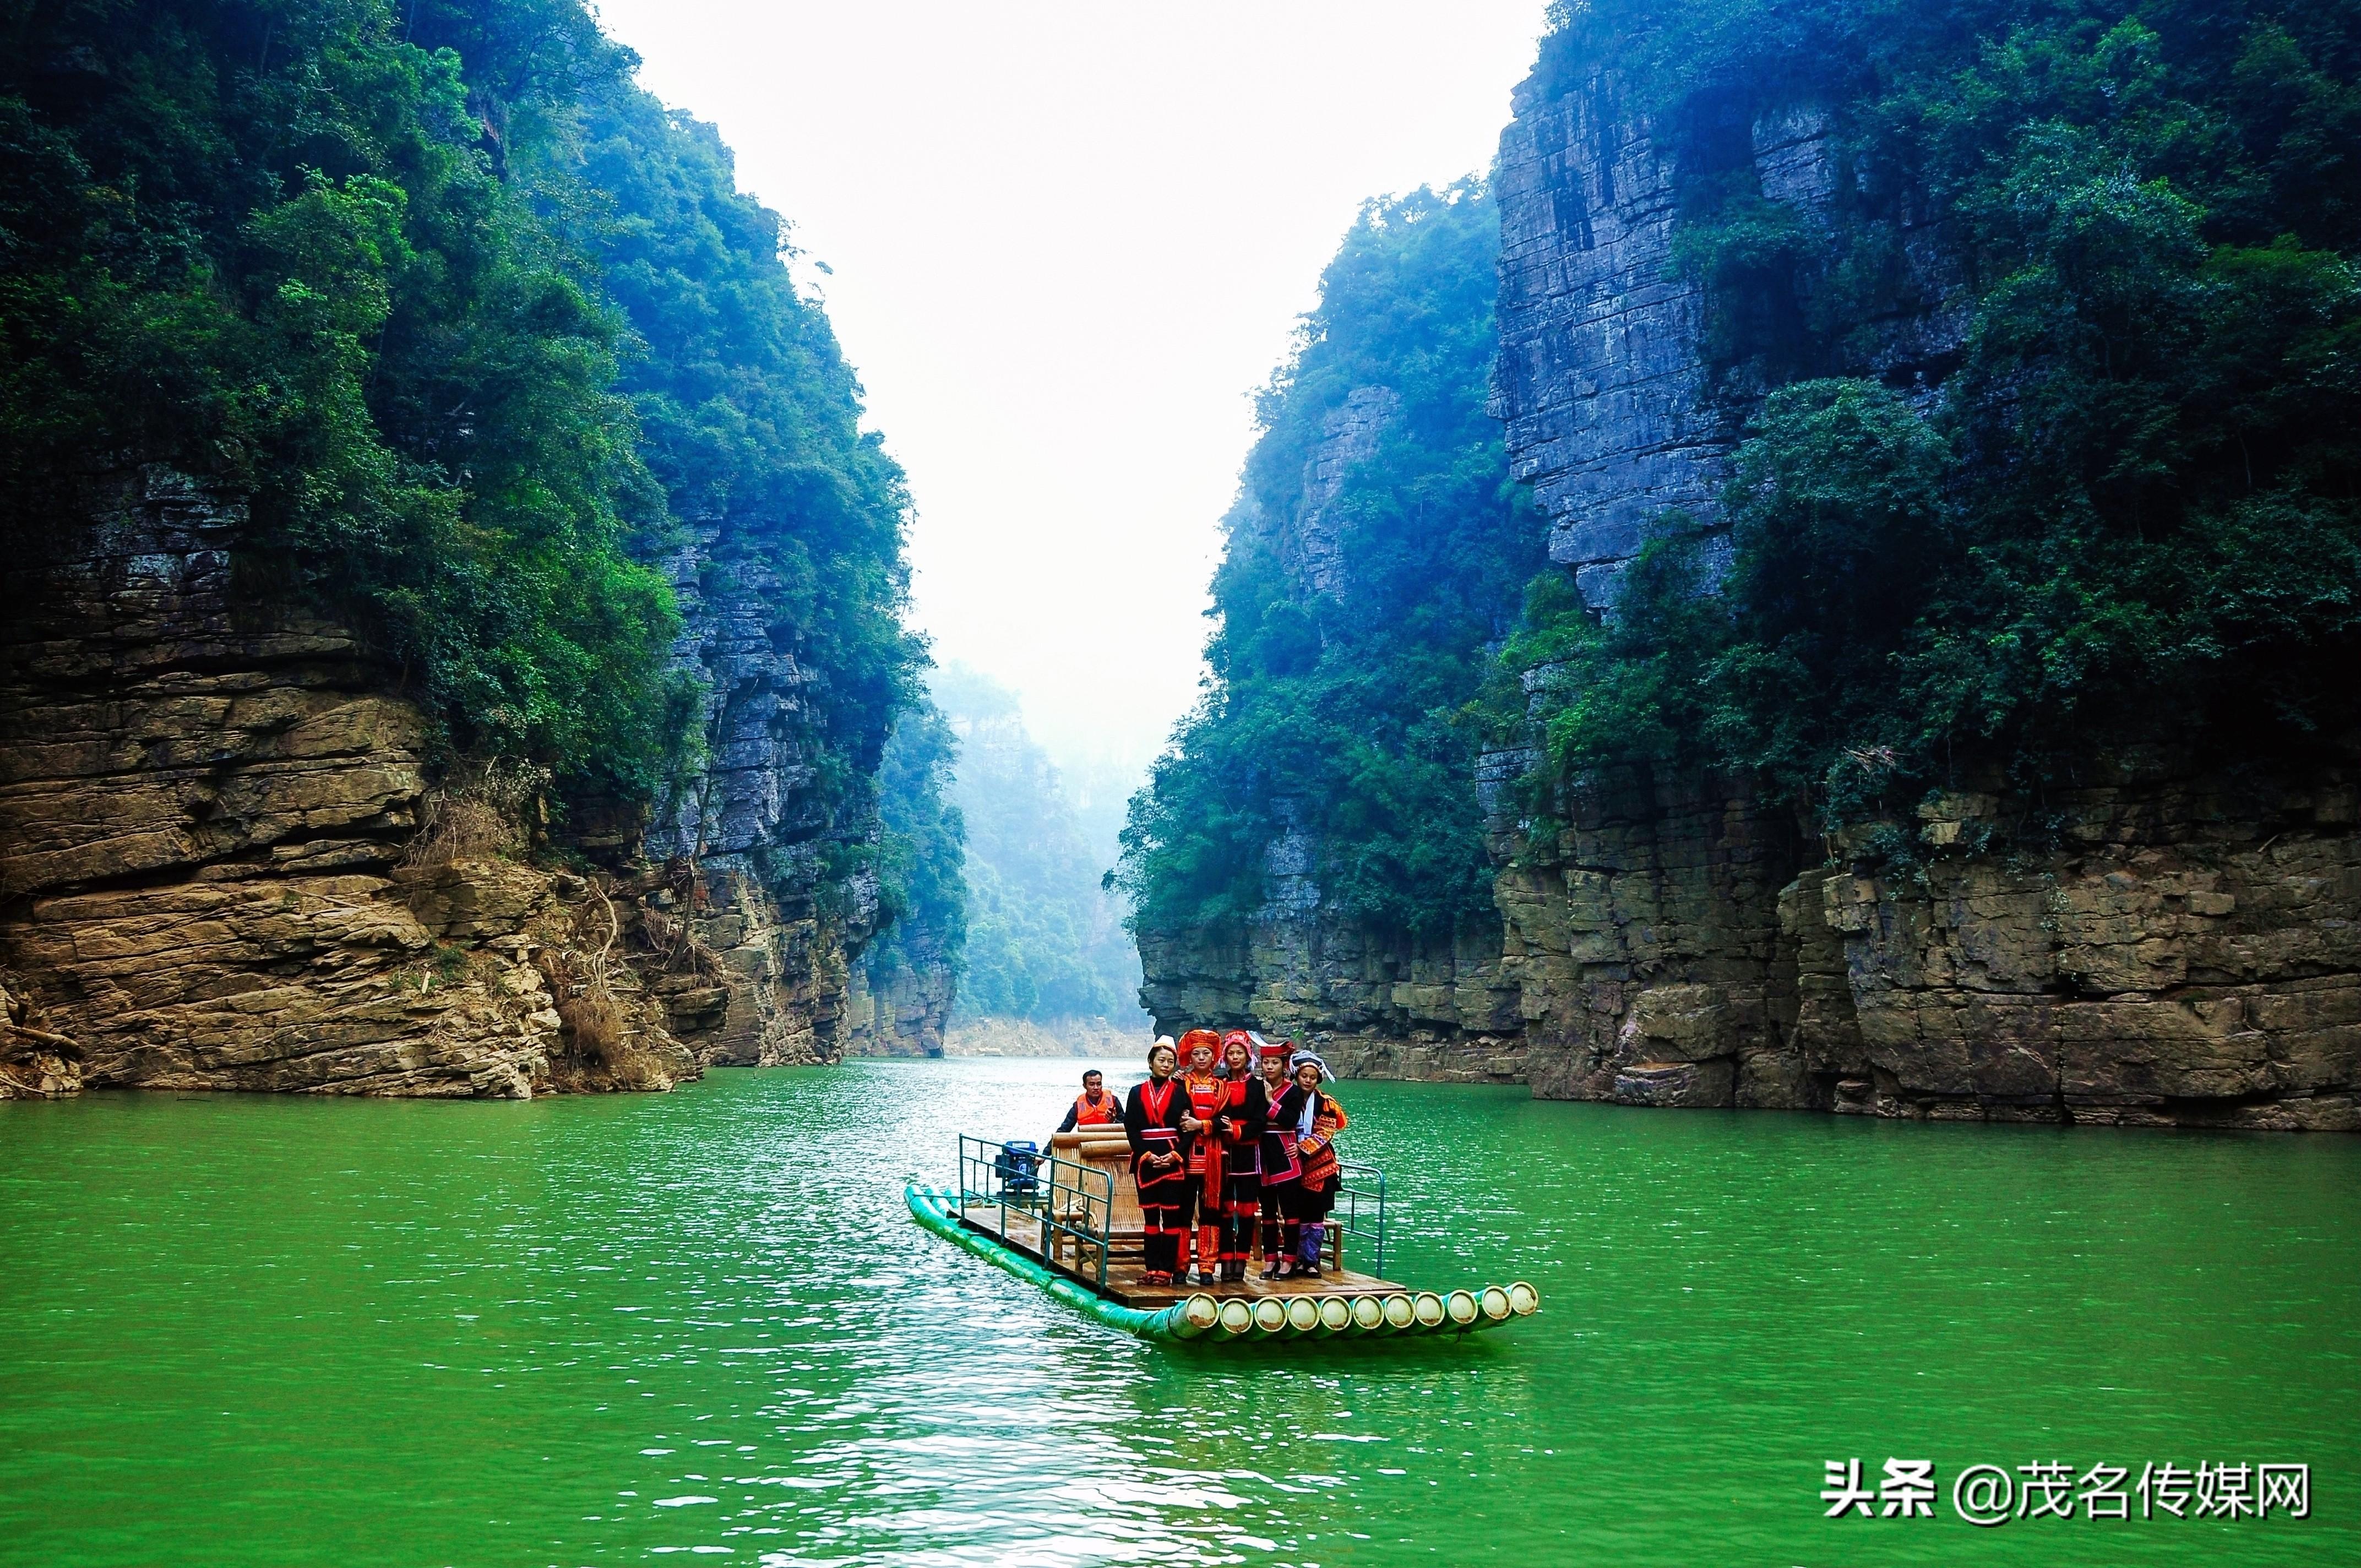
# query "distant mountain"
(1045, 941)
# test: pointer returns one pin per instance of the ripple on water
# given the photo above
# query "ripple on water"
(701, 1323)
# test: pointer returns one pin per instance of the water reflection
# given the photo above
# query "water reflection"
(702, 1324)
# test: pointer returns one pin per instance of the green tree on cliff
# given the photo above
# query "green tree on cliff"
(1335, 709)
(2132, 504)
(469, 322)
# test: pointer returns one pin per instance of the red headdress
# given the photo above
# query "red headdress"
(1195, 1038)
(1235, 1038)
(1273, 1048)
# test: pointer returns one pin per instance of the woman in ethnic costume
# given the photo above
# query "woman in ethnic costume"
(1317, 1118)
(1160, 1164)
(1206, 1094)
(1280, 1169)
(1244, 1111)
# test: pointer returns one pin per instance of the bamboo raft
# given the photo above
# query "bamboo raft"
(1071, 1224)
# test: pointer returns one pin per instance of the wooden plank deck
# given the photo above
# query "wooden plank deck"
(1123, 1282)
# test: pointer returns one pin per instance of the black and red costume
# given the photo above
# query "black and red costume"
(1159, 1166)
(1310, 1120)
(1279, 1174)
(1239, 1121)
(1206, 1094)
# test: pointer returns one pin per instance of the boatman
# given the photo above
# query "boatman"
(1159, 1164)
(1094, 1107)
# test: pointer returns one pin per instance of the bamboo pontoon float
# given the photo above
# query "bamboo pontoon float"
(1068, 1219)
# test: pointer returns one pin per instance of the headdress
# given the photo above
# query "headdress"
(1272, 1048)
(1195, 1038)
(1163, 1043)
(1296, 1063)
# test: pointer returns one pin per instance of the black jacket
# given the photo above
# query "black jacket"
(1138, 1121)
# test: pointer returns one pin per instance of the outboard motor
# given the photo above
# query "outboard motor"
(1019, 1166)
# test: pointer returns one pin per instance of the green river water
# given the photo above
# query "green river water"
(258, 1330)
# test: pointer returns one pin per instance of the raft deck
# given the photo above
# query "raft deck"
(1023, 1232)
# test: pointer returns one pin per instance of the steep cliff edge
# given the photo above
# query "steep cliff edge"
(211, 821)
(2179, 941)
(1936, 702)
(458, 611)
(1311, 863)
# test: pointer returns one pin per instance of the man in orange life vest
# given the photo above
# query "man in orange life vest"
(1094, 1107)
(1152, 1114)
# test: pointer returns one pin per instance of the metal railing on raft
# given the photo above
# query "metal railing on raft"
(1072, 1205)
(1361, 1214)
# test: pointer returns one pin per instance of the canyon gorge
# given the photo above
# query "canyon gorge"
(2179, 944)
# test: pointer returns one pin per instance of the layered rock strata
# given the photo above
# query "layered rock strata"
(1615, 414)
(2189, 954)
(901, 1010)
(755, 827)
(213, 873)
(2186, 952)
(1376, 1004)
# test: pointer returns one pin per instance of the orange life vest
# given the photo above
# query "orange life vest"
(1107, 1111)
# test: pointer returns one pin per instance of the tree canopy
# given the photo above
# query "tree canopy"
(468, 322)
(2124, 511)
(1335, 708)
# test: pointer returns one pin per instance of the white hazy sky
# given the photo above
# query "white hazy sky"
(1066, 242)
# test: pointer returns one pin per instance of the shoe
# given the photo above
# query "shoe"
(1307, 1271)
(1271, 1271)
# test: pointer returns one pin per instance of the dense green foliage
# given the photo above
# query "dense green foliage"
(466, 320)
(922, 851)
(2132, 509)
(1338, 709)
(1044, 939)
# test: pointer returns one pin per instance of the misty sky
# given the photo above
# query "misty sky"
(1065, 244)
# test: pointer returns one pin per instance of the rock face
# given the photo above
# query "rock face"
(2188, 954)
(1378, 1004)
(1615, 412)
(902, 1009)
(754, 829)
(214, 876)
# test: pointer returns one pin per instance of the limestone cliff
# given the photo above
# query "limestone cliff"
(1380, 1003)
(901, 1009)
(754, 828)
(2187, 954)
(2175, 940)
(223, 864)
